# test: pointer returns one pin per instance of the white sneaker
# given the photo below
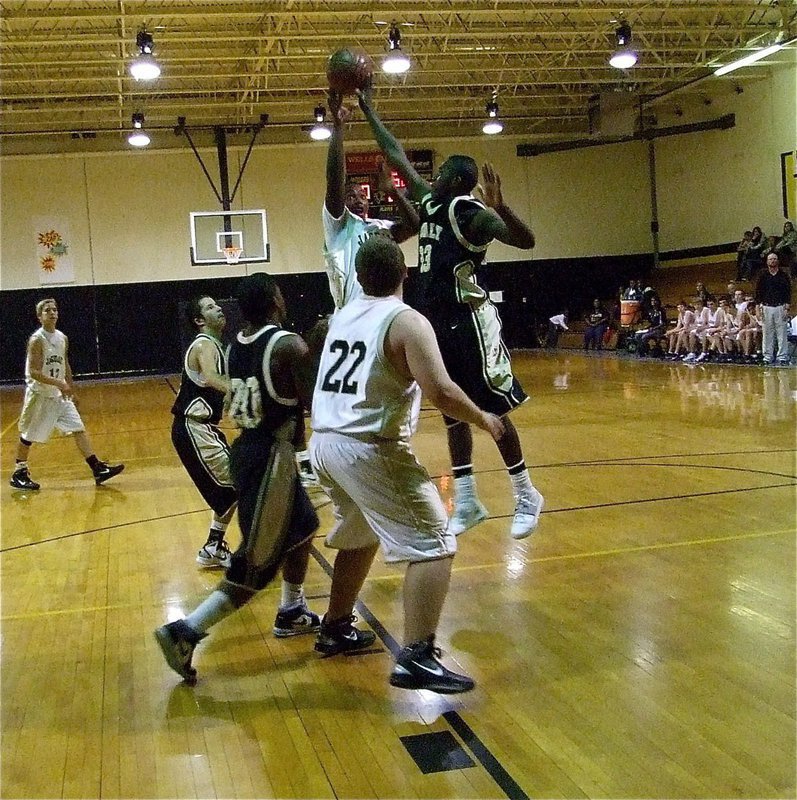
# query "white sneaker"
(214, 554)
(527, 514)
(689, 357)
(467, 513)
(309, 479)
(702, 357)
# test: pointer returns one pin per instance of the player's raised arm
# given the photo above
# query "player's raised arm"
(392, 149)
(336, 160)
(410, 222)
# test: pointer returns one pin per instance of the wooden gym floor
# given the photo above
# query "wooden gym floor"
(640, 644)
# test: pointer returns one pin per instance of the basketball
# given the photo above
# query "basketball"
(348, 70)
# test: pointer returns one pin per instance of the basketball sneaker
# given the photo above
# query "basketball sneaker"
(467, 513)
(341, 636)
(177, 641)
(21, 480)
(214, 553)
(417, 667)
(527, 514)
(104, 472)
(307, 476)
(296, 621)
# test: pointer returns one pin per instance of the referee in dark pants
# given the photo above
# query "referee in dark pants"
(773, 292)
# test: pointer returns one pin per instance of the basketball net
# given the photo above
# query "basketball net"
(232, 254)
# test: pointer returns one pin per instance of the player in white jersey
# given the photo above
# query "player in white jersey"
(49, 400)
(345, 214)
(378, 354)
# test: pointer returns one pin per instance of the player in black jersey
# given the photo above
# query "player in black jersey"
(456, 230)
(270, 382)
(197, 438)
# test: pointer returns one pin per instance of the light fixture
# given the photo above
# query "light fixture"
(623, 57)
(493, 124)
(138, 137)
(751, 58)
(395, 62)
(319, 131)
(144, 67)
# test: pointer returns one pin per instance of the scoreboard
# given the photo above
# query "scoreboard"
(364, 168)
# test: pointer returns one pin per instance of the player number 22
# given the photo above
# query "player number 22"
(353, 353)
(246, 406)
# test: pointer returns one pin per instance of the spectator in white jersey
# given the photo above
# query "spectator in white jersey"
(379, 353)
(50, 400)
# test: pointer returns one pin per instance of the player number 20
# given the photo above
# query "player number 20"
(350, 357)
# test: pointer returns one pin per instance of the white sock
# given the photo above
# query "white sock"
(521, 483)
(213, 609)
(292, 595)
(464, 488)
(20, 465)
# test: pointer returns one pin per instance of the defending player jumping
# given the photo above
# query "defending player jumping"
(456, 230)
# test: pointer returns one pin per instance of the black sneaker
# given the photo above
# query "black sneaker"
(417, 667)
(341, 636)
(177, 640)
(21, 480)
(104, 472)
(296, 621)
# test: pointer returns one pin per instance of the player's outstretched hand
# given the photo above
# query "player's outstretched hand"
(491, 186)
(364, 97)
(493, 425)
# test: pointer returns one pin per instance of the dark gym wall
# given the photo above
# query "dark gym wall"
(138, 328)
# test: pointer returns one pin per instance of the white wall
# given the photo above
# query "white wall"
(128, 212)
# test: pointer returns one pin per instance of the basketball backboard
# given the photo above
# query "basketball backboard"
(212, 231)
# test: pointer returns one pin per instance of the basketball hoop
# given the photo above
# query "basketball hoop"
(233, 254)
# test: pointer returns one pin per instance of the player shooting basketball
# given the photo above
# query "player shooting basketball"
(345, 213)
(456, 230)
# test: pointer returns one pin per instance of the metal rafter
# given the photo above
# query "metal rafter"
(63, 63)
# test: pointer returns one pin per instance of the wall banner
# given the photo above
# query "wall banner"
(54, 262)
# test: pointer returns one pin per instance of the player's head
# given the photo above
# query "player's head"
(47, 311)
(380, 266)
(260, 300)
(356, 199)
(457, 175)
(204, 312)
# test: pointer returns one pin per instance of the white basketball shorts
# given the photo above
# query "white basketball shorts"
(381, 494)
(41, 414)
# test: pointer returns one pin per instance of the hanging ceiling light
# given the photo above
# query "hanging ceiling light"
(623, 57)
(320, 131)
(753, 57)
(144, 67)
(395, 62)
(493, 125)
(138, 137)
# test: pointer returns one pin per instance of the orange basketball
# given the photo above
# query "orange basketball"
(349, 69)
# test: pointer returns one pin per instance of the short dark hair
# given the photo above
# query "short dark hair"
(193, 311)
(380, 266)
(466, 169)
(256, 295)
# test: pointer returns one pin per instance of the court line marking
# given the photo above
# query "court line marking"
(492, 766)
(9, 427)
(322, 505)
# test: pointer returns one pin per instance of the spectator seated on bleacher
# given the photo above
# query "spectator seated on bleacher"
(650, 338)
(752, 255)
(695, 333)
(678, 336)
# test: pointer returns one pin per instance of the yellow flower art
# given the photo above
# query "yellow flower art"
(47, 263)
(49, 238)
